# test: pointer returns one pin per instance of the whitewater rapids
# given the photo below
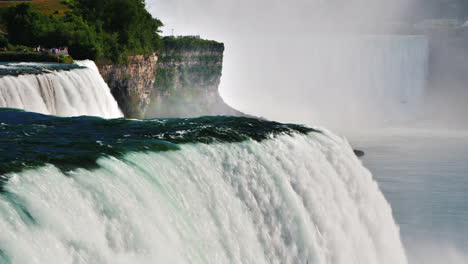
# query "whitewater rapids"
(288, 199)
(73, 92)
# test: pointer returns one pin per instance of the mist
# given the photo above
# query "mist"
(272, 47)
(318, 62)
(345, 65)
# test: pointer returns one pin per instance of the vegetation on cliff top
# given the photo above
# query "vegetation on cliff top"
(105, 30)
(181, 44)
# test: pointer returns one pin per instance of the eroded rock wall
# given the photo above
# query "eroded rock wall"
(181, 81)
(132, 84)
(187, 83)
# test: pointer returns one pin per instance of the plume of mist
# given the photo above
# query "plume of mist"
(426, 252)
(312, 61)
(270, 46)
(332, 63)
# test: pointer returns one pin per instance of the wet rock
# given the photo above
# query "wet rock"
(359, 153)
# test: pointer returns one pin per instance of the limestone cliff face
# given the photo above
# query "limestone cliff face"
(132, 84)
(187, 82)
(182, 81)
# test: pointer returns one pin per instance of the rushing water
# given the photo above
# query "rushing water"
(205, 190)
(225, 189)
(377, 78)
(423, 173)
(57, 89)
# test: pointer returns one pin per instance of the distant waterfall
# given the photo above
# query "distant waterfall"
(370, 77)
(396, 72)
(65, 93)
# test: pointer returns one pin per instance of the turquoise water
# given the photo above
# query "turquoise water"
(206, 190)
(298, 190)
(424, 175)
(29, 140)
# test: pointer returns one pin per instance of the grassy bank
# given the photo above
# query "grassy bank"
(45, 6)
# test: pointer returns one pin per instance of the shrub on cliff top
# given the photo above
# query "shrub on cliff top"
(3, 41)
(172, 44)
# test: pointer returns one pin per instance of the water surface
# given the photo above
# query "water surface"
(424, 175)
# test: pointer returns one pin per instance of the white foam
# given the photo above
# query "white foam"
(302, 199)
(64, 93)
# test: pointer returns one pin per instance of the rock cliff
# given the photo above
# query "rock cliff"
(182, 81)
(131, 84)
(187, 80)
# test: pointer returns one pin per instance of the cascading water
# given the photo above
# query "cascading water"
(371, 78)
(72, 92)
(205, 190)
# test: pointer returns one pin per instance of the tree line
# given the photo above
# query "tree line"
(104, 30)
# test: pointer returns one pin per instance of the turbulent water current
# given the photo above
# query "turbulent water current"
(203, 190)
(57, 89)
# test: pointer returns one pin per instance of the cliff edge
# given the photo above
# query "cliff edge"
(132, 83)
(188, 75)
(181, 82)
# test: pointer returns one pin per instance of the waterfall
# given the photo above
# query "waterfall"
(392, 73)
(74, 92)
(252, 195)
(369, 78)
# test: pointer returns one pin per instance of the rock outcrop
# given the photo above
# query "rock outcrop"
(359, 153)
(182, 81)
(132, 84)
(187, 80)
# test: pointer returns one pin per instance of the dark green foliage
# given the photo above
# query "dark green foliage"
(164, 79)
(65, 59)
(125, 25)
(82, 39)
(25, 27)
(172, 44)
(3, 41)
(105, 30)
(19, 48)
(12, 56)
(211, 59)
(173, 57)
(199, 75)
(32, 28)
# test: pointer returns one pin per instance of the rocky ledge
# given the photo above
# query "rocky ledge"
(132, 84)
(181, 81)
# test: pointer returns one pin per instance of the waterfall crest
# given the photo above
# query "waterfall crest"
(299, 198)
(64, 93)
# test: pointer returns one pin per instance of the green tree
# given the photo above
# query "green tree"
(105, 30)
(3, 41)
